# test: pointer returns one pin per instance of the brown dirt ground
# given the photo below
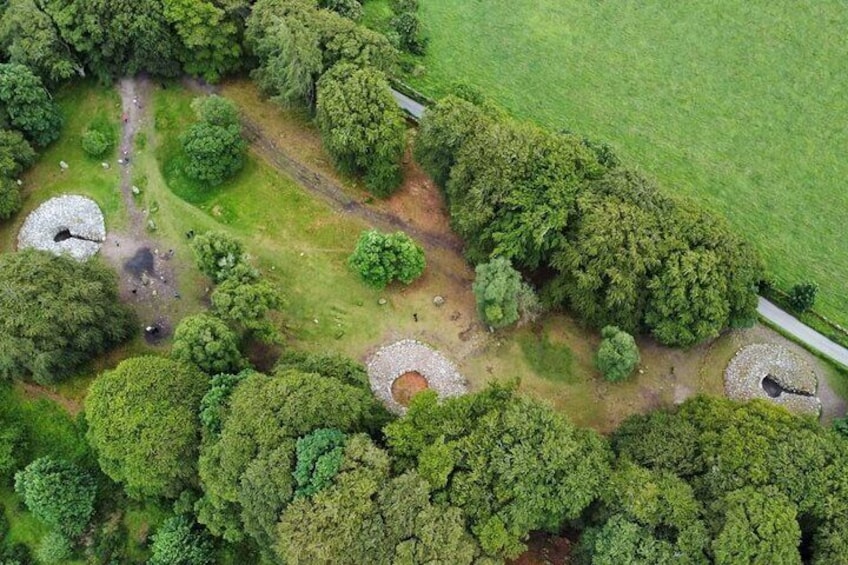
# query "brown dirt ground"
(408, 385)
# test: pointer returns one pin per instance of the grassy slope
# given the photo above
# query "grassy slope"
(738, 104)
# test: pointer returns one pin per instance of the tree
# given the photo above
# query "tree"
(247, 305)
(26, 105)
(445, 128)
(408, 28)
(210, 46)
(179, 541)
(512, 465)
(246, 471)
(143, 423)
(12, 440)
(95, 143)
(351, 9)
(16, 154)
(222, 257)
(332, 365)
(54, 547)
(214, 404)
(207, 343)
(30, 38)
(757, 527)
(382, 258)
(802, 297)
(502, 297)
(58, 493)
(617, 355)
(56, 314)
(213, 145)
(361, 125)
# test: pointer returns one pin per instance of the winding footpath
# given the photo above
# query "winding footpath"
(767, 310)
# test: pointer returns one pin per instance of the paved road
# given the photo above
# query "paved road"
(409, 105)
(766, 309)
(804, 333)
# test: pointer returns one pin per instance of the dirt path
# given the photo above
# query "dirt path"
(146, 277)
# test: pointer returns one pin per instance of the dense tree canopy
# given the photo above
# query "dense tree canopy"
(213, 146)
(617, 355)
(361, 125)
(502, 296)
(143, 423)
(27, 106)
(58, 493)
(210, 41)
(381, 258)
(16, 154)
(180, 542)
(207, 343)
(247, 305)
(221, 257)
(55, 314)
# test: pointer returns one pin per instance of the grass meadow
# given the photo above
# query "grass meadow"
(738, 104)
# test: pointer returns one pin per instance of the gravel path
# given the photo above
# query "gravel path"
(79, 217)
(743, 378)
(391, 361)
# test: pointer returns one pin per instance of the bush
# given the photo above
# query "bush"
(181, 542)
(400, 6)
(382, 258)
(802, 297)
(502, 297)
(10, 198)
(208, 343)
(54, 548)
(617, 355)
(56, 313)
(319, 458)
(408, 28)
(213, 406)
(351, 9)
(213, 146)
(58, 493)
(95, 143)
(221, 257)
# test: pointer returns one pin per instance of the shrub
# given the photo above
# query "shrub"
(382, 258)
(221, 257)
(617, 355)
(351, 9)
(95, 143)
(502, 297)
(208, 343)
(400, 6)
(247, 304)
(58, 493)
(54, 548)
(181, 542)
(214, 146)
(408, 28)
(802, 297)
(10, 198)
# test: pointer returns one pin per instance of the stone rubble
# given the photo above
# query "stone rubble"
(391, 361)
(79, 215)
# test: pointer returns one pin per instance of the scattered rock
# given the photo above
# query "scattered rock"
(315, 320)
(63, 165)
(382, 302)
(104, 164)
(136, 190)
(438, 301)
(151, 225)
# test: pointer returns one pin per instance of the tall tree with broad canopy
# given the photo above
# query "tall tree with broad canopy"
(511, 464)
(502, 296)
(381, 258)
(222, 257)
(27, 106)
(362, 126)
(617, 355)
(210, 41)
(207, 343)
(56, 314)
(213, 146)
(143, 422)
(179, 541)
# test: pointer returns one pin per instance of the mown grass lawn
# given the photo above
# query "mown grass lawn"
(739, 104)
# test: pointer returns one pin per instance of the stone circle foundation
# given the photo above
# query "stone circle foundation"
(69, 224)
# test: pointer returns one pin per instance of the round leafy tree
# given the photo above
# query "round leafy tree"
(213, 146)
(617, 355)
(208, 343)
(143, 423)
(54, 547)
(181, 542)
(56, 314)
(95, 143)
(10, 198)
(502, 297)
(247, 305)
(221, 257)
(16, 154)
(27, 106)
(361, 125)
(319, 457)
(58, 493)
(381, 258)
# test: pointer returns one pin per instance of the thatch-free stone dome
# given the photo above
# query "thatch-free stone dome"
(68, 224)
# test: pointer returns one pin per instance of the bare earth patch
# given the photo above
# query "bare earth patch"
(414, 362)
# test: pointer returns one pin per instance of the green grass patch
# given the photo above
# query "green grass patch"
(734, 103)
(550, 361)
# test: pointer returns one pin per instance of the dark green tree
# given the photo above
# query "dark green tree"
(30, 38)
(143, 422)
(502, 296)
(319, 458)
(58, 493)
(207, 343)
(381, 258)
(54, 547)
(10, 198)
(215, 403)
(362, 126)
(617, 355)
(56, 314)
(802, 297)
(16, 154)
(213, 146)
(27, 106)
(210, 42)
(351, 9)
(408, 27)
(332, 365)
(222, 257)
(95, 142)
(247, 305)
(179, 541)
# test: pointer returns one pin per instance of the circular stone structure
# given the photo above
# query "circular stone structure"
(401, 358)
(773, 373)
(68, 224)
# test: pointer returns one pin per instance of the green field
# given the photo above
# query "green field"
(740, 104)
